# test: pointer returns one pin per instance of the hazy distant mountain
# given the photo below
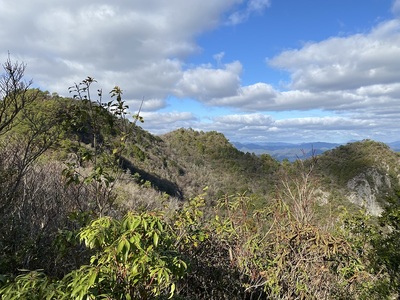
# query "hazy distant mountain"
(288, 151)
(395, 146)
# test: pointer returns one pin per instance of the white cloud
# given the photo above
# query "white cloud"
(248, 119)
(356, 73)
(250, 7)
(147, 105)
(167, 117)
(163, 122)
(239, 127)
(324, 123)
(142, 44)
(206, 83)
(218, 57)
(262, 128)
(252, 97)
(342, 63)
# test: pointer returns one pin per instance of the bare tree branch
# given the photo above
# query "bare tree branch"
(14, 95)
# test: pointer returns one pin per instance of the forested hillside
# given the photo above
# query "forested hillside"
(94, 207)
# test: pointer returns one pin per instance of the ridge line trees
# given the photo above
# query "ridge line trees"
(104, 156)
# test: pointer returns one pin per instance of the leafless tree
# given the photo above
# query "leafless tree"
(14, 95)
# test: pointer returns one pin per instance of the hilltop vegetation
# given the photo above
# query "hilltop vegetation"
(365, 173)
(345, 162)
(94, 207)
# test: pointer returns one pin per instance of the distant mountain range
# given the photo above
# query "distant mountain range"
(395, 146)
(291, 151)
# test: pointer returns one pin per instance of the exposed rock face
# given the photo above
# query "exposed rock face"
(322, 196)
(364, 188)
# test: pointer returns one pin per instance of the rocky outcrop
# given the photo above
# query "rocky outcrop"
(364, 189)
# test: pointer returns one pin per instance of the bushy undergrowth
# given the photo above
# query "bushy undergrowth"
(238, 253)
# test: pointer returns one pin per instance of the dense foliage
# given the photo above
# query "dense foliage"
(94, 207)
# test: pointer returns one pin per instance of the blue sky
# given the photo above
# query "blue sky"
(255, 70)
(287, 24)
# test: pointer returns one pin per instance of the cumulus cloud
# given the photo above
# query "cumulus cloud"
(242, 126)
(141, 44)
(252, 97)
(256, 127)
(163, 122)
(342, 63)
(324, 123)
(206, 83)
(168, 117)
(247, 119)
(356, 73)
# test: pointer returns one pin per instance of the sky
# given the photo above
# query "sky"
(255, 70)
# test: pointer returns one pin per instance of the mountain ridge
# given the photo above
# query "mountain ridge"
(180, 164)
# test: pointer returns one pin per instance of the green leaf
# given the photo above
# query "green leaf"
(172, 291)
(159, 225)
(127, 247)
(92, 278)
(135, 223)
(76, 289)
(144, 224)
(50, 295)
(120, 246)
(155, 239)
